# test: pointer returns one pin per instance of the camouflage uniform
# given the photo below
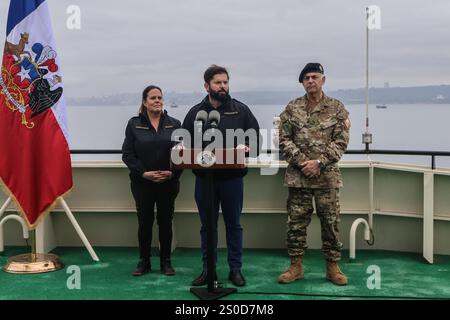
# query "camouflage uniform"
(320, 134)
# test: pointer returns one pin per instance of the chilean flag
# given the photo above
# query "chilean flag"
(35, 165)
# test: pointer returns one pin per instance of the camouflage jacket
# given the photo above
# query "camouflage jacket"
(321, 134)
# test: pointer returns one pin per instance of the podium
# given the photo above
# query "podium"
(198, 159)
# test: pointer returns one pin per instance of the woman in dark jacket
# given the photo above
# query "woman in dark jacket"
(146, 152)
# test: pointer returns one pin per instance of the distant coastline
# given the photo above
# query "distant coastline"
(381, 96)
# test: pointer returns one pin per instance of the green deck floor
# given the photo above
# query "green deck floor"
(402, 275)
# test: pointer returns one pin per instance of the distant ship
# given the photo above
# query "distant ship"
(173, 105)
(381, 106)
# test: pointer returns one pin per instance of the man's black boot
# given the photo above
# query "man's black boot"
(202, 278)
(237, 278)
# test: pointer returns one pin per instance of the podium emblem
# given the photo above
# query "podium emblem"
(206, 159)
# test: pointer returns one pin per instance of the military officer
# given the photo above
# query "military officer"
(314, 134)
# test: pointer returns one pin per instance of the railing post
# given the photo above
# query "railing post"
(428, 216)
(371, 193)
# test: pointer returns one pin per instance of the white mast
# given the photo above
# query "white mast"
(367, 136)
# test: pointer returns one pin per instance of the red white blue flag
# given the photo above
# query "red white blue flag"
(35, 165)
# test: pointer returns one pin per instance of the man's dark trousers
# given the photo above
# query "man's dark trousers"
(228, 193)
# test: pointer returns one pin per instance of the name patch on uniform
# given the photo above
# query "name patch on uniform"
(145, 128)
(231, 113)
(168, 127)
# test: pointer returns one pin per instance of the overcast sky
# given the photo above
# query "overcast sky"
(124, 45)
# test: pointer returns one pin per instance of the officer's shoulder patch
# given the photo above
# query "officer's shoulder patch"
(347, 123)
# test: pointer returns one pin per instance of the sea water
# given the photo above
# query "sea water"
(397, 127)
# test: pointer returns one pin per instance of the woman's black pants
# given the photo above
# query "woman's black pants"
(146, 195)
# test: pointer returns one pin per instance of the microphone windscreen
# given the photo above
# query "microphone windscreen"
(202, 116)
(214, 117)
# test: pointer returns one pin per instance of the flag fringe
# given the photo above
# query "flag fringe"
(42, 214)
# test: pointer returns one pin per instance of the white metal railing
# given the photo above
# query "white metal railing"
(429, 193)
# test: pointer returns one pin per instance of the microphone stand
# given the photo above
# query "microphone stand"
(212, 292)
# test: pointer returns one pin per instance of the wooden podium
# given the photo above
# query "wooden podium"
(198, 159)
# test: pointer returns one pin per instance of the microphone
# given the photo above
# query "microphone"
(199, 124)
(200, 120)
(202, 116)
(214, 119)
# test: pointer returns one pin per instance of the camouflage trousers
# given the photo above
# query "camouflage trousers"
(300, 209)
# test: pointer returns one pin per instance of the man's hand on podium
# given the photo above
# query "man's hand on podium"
(243, 146)
(179, 146)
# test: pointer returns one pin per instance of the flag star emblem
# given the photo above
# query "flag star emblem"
(24, 74)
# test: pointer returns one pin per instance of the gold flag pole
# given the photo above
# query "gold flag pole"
(33, 246)
(33, 262)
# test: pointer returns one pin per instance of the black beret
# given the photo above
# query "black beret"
(310, 67)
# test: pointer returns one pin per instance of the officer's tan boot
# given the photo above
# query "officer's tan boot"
(335, 275)
(295, 271)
